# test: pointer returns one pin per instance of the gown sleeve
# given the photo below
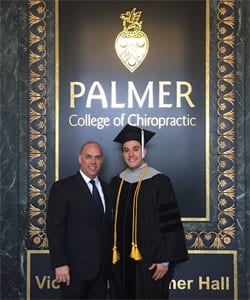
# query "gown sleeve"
(172, 246)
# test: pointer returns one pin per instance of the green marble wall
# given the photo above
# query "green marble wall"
(14, 155)
(20, 151)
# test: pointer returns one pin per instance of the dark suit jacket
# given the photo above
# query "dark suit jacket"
(76, 237)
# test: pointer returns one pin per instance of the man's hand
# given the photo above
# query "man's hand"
(62, 274)
(160, 271)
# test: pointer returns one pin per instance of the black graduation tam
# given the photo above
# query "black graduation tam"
(129, 133)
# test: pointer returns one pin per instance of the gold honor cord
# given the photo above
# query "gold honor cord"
(135, 252)
(116, 255)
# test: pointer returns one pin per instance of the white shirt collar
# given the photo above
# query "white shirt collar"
(87, 179)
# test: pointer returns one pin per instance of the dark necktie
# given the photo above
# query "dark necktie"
(97, 199)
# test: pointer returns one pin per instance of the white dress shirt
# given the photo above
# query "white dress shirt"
(98, 186)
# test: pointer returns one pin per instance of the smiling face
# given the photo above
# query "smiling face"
(91, 159)
(132, 154)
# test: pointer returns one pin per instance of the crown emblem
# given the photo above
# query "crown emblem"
(131, 44)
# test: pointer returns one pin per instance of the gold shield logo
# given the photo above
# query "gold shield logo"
(131, 43)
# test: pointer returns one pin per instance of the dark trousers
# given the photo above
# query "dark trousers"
(85, 289)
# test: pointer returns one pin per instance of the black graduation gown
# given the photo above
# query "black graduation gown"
(160, 238)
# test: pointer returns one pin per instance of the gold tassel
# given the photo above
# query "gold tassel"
(116, 255)
(135, 252)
